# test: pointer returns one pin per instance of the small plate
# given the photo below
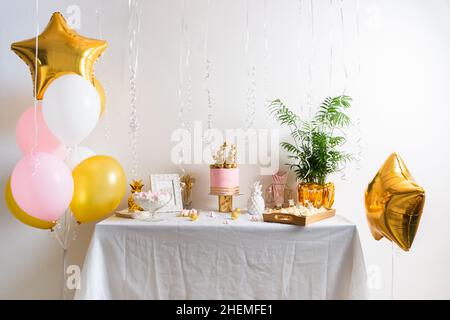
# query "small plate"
(124, 214)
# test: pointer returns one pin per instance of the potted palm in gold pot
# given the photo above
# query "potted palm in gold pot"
(315, 150)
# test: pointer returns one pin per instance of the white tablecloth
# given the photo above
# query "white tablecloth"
(211, 259)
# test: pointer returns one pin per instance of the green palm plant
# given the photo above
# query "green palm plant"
(315, 152)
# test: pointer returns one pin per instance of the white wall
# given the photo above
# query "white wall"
(400, 97)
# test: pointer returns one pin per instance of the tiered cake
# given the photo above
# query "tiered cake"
(224, 176)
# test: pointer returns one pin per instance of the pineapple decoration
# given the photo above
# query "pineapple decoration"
(136, 186)
(255, 203)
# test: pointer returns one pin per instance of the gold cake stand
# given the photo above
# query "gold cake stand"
(225, 201)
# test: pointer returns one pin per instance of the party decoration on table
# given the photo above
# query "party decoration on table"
(61, 51)
(168, 183)
(187, 183)
(151, 201)
(71, 108)
(100, 185)
(235, 214)
(184, 213)
(26, 135)
(42, 186)
(136, 187)
(394, 203)
(193, 215)
(255, 204)
(189, 213)
(298, 215)
(278, 192)
(224, 176)
(316, 153)
(22, 215)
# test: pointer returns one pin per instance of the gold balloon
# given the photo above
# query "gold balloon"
(101, 92)
(99, 186)
(22, 215)
(61, 51)
(394, 203)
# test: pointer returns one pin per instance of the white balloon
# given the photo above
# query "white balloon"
(71, 108)
(77, 155)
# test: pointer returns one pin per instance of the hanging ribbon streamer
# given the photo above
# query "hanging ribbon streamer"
(207, 138)
(358, 118)
(134, 27)
(184, 97)
(341, 11)
(267, 96)
(331, 36)
(300, 55)
(309, 97)
(250, 101)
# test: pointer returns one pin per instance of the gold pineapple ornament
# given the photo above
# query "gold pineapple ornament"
(136, 186)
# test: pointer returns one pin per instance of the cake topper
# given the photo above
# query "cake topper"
(222, 159)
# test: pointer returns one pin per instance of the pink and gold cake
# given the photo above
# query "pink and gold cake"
(224, 173)
(224, 181)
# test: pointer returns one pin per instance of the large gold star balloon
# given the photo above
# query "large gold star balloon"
(394, 203)
(60, 51)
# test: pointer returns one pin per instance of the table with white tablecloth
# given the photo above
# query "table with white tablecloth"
(219, 258)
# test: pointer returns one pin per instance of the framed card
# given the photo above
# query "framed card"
(169, 183)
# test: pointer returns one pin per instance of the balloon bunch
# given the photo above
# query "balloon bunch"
(55, 173)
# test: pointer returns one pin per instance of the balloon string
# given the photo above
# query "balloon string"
(105, 115)
(35, 106)
(392, 270)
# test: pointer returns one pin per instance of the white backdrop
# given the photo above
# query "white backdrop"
(400, 93)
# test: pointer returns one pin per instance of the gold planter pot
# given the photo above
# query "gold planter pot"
(317, 194)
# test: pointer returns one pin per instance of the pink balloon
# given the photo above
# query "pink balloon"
(42, 186)
(25, 134)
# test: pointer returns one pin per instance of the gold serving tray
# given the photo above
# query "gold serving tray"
(287, 218)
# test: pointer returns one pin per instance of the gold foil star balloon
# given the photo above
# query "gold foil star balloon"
(60, 51)
(394, 203)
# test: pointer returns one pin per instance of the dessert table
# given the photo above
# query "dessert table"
(219, 258)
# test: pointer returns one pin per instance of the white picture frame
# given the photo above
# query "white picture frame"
(170, 183)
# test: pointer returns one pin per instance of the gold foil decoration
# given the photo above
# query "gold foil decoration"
(60, 51)
(136, 186)
(394, 203)
(222, 159)
(187, 183)
(318, 195)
